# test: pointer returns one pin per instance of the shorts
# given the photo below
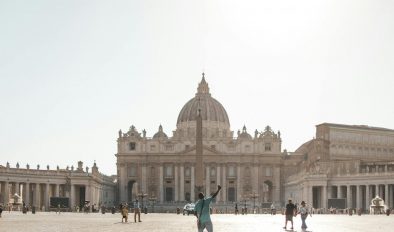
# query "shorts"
(289, 217)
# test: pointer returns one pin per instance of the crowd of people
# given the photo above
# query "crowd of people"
(202, 211)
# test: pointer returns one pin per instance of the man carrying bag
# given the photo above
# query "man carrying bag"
(202, 211)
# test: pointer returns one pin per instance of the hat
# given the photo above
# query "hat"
(302, 202)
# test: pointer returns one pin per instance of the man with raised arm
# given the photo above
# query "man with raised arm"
(202, 211)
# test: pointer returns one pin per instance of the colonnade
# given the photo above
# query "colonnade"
(31, 193)
(355, 195)
(183, 185)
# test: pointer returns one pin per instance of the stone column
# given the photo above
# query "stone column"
(161, 193)
(123, 191)
(72, 196)
(377, 190)
(239, 191)
(57, 190)
(276, 192)
(310, 195)
(6, 192)
(46, 197)
(192, 195)
(367, 197)
(176, 183)
(224, 184)
(324, 197)
(386, 194)
(359, 197)
(339, 192)
(27, 193)
(218, 182)
(391, 188)
(256, 179)
(17, 188)
(143, 179)
(391, 200)
(329, 192)
(182, 184)
(348, 197)
(88, 195)
(37, 196)
(207, 181)
(304, 194)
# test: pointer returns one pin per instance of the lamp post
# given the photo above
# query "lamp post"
(254, 196)
(142, 195)
(152, 200)
(244, 209)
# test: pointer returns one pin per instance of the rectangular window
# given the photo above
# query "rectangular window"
(168, 171)
(231, 171)
(213, 146)
(213, 172)
(187, 172)
(169, 147)
(268, 171)
(268, 147)
(152, 147)
(132, 171)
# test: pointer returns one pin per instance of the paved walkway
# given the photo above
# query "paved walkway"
(51, 222)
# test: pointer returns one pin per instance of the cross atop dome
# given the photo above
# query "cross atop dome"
(203, 86)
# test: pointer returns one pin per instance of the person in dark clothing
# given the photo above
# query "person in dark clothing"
(291, 210)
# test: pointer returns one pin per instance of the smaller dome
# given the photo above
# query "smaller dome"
(244, 134)
(160, 133)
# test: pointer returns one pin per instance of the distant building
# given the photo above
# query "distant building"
(36, 186)
(354, 163)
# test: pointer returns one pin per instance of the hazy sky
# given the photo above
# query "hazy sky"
(72, 73)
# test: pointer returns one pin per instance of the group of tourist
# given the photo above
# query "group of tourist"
(202, 212)
(124, 211)
(291, 211)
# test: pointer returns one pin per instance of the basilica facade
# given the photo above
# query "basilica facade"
(164, 167)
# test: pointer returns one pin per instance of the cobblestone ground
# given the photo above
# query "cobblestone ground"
(80, 222)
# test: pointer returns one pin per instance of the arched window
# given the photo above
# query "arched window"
(132, 146)
(231, 194)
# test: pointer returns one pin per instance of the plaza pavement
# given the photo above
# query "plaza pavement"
(94, 222)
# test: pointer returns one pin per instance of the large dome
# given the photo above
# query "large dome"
(211, 109)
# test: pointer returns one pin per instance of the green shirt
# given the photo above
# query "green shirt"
(205, 214)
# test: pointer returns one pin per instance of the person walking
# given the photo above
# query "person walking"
(1, 210)
(125, 213)
(236, 209)
(290, 212)
(304, 214)
(202, 211)
(137, 211)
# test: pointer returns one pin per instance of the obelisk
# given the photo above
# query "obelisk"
(199, 172)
